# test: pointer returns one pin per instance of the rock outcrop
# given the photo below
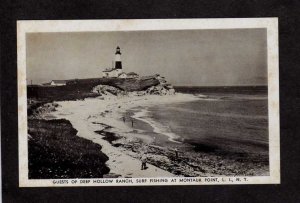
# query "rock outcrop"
(136, 84)
(107, 90)
(136, 87)
(161, 89)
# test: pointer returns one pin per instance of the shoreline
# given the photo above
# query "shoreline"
(96, 114)
(100, 120)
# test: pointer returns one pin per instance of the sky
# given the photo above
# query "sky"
(184, 57)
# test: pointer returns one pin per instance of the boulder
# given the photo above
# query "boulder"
(107, 90)
(160, 90)
(136, 84)
(136, 87)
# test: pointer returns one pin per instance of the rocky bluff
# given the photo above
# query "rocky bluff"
(136, 87)
(126, 84)
(83, 88)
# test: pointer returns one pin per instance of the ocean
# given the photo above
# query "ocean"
(224, 120)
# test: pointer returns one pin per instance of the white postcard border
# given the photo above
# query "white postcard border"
(34, 26)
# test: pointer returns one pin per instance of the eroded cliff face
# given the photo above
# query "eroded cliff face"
(133, 84)
(83, 88)
(135, 88)
(126, 84)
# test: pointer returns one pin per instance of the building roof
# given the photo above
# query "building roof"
(132, 73)
(121, 73)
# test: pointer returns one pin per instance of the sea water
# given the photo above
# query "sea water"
(222, 119)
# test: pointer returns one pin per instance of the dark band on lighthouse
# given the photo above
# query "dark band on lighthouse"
(118, 62)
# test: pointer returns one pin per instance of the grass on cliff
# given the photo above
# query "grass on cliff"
(81, 88)
(56, 152)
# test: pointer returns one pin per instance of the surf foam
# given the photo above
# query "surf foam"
(143, 115)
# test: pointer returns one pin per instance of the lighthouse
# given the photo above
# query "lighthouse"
(118, 62)
(116, 70)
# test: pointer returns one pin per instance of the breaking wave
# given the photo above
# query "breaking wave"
(143, 115)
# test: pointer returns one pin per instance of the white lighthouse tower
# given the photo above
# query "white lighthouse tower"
(118, 62)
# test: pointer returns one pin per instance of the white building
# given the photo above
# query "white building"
(122, 75)
(56, 83)
(111, 73)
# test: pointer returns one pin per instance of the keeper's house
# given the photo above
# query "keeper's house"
(56, 83)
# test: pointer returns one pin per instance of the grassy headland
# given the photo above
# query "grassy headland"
(55, 151)
(82, 88)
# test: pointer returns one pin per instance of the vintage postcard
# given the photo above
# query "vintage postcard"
(148, 102)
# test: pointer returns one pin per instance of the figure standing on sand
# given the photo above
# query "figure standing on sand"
(176, 153)
(144, 161)
(124, 119)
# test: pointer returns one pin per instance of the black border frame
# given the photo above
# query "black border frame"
(289, 20)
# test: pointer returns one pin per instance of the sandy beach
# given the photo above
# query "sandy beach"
(95, 114)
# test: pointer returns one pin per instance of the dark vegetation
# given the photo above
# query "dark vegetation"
(81, 88)
(31, 107)
(55, 151)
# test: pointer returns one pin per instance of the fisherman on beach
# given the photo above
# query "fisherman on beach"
(144, 161)
(131, 122)
(176, 152)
